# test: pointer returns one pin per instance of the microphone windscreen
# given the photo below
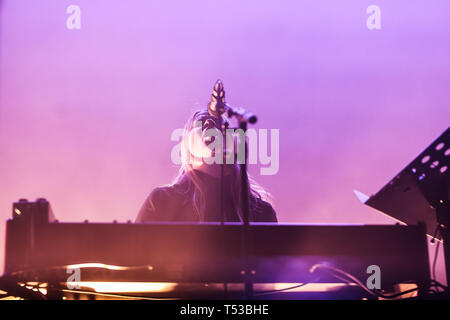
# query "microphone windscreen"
(217, 104)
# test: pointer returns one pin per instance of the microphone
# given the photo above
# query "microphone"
(217, 106)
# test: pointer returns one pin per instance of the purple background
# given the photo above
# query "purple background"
(86, 115)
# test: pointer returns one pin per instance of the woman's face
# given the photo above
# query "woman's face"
(207, 144)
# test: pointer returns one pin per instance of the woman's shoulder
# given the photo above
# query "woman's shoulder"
(161, 192)
(160, 202)
(175, 192)
(264, 212)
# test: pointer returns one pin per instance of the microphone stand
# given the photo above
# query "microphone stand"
(223, 127)
(248, 273)
(245, 206)
(217, 107)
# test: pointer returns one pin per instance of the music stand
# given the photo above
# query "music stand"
(421, 192)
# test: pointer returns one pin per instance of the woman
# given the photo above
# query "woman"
(195, 194)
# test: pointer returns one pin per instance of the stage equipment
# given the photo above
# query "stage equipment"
(41, 249)
(421, 193)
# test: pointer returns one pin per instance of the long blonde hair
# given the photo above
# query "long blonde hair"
(189, 178)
